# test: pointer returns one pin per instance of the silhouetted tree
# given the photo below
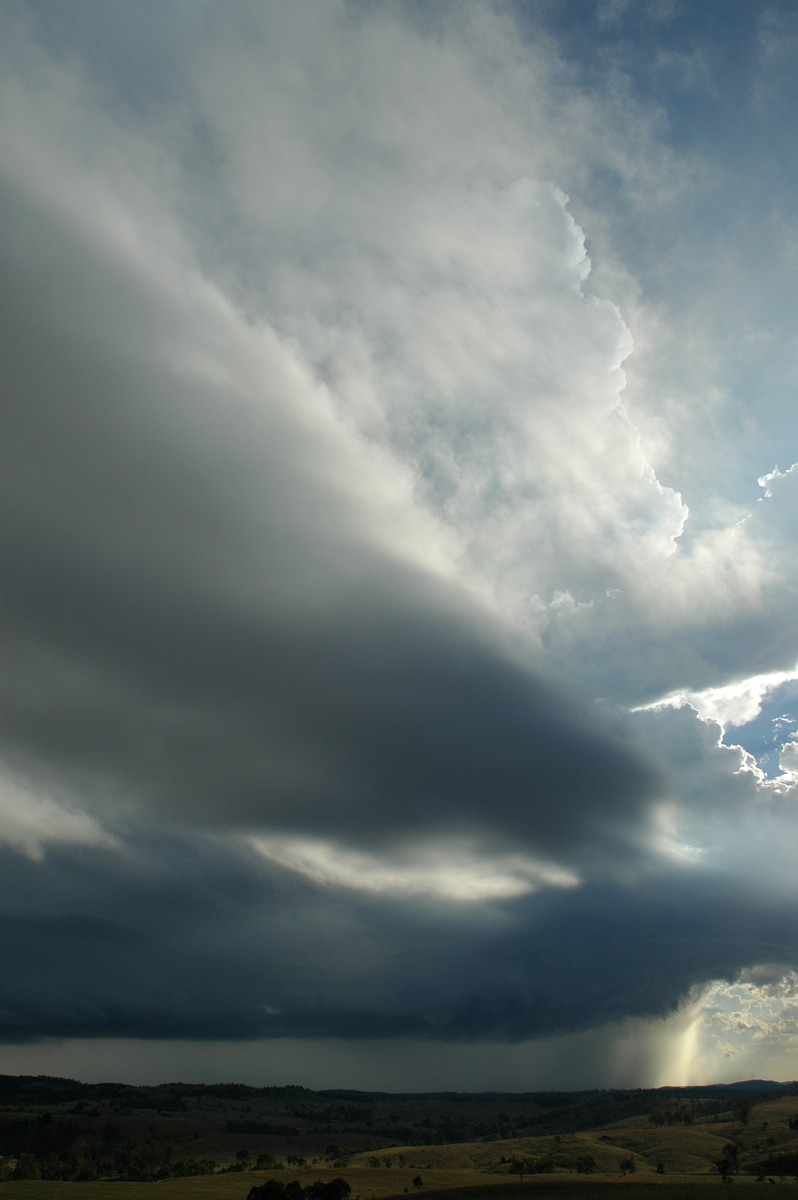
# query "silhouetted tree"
(272, 1189)
(26, 1168)
(727, 1165)
(520, 1167)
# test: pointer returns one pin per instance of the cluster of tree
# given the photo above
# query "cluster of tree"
(728, 1165)
(144, 1164)
(670, 1116)
(337, 1114)
(584, 1165)
(260, 1127)
(264, 1162)
(779, 1164)
(41, 1135)
(46, 1148)
(533, 1166)
(273, 1189)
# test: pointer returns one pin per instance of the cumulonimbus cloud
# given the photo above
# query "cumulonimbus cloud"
(327, 521)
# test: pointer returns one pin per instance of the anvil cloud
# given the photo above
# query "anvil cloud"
(398, 568)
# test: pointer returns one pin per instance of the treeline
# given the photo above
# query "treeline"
(52, 1090)
(246, 1126)
(143, 1163)
(670, 1116)
(45, 1148)
(273, 1189)
(779, 1164)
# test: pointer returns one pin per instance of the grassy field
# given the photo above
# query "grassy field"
(366, 1185)
(575, 1188)
(673, 1140)
(383, 1185)
(681, 1151)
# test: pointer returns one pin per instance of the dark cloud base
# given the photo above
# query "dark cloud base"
(213, 954)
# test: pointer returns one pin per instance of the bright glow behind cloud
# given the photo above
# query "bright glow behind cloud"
(735, 703)
(454, 872)
(29, 822)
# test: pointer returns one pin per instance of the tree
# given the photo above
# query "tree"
(418, 1183)
(272, 1189)
(26, 1168)
(728, 1166)
(520, 1167)
(337, 1189)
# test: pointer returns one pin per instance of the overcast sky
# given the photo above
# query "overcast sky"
(399, 519)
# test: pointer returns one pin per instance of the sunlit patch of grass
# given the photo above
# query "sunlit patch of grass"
(366, 1184)
(681, 1151)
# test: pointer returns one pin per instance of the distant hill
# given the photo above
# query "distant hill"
(67, 1130)
(757, 1085)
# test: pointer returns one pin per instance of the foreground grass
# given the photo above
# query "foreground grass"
(573, 1188)
(382, 1184)
(365, 1184)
